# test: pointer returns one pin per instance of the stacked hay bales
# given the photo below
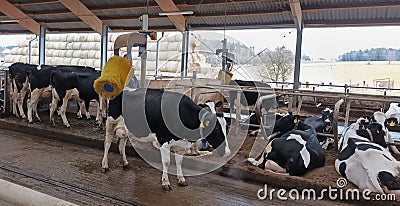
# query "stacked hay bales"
(85, 50)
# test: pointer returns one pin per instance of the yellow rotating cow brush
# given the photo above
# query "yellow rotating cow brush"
(114, 77)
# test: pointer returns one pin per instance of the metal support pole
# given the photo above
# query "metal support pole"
(224, 55)
(143, 52)
(104, 41)
(158, 52)
(30, 49)
(185, 49)
(42, 45)
(297, 59)
(335, 123)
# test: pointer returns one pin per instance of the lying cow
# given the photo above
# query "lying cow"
(393, 113)
(77, 86)
(295, 152)
(20, 87)
(363, 161)
(174, 119)
(322, 124)
(380, 118)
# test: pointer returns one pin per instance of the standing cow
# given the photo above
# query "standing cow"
(174, 119)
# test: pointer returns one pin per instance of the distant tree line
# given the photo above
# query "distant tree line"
(374, 54)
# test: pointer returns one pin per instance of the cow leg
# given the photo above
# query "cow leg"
(87, 104)
(54, 102)
(392, 147)
(35, 95)
(179, 173)
(273, 166)
(35, 111)
(81, 105)
(110, 125)
(14, 97)
(122, 134)
(20, 102)
(165, 159)
(63, 109)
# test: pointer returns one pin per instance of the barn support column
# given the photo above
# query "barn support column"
(297, 59)
(42, 45)
(104, 41)
(185, 54)
(143, 52)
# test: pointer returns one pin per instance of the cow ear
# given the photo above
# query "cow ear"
(296, 119)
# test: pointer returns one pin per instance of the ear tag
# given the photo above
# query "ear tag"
(366, 120)
(391, 124)
(295, 120)
(201, 125)
(363, 127)
(377, 131)
(206, 123)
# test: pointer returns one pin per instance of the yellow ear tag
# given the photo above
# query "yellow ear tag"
(363, 127)
(201, 125)
(295, 120)
(366, 120)
(391, 124)
(206, 123)
(377, 131)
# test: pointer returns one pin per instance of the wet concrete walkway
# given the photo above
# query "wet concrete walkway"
(80, 166)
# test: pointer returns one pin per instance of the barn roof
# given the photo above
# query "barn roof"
(26, 16)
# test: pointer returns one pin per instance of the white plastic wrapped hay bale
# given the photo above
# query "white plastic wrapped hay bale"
(56, 53)
(66, 61)
(151, 56)
(82, 38)
(76, 46)
(97, 55)
(14, 51)
(76, 54)
(91, 54)
(35, 44)
(69, 46)
(35, 60)
(60, 45)
(84, 54)
(24, 59)
(110, 46)
(49, 52)
(23, 43)
(90, 63)
(170, 66)
(175, 46)
(69, 53)
(70, 38)
(74, 61)
(63, 38)
(62, 53)
(25, 50)
(96, 63)
(82, 62)
(76, 38)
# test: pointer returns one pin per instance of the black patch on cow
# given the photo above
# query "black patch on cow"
(342, 169)
(365, 147)
(387, 157)
(390, 181)
(347, 152)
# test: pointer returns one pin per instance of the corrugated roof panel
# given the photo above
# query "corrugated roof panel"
(42, 8)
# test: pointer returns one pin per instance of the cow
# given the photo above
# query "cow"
(393, 113)
(322, 124)
(78, 86)
(367, 164)
(380, 118)
(294, 152)
(20, 87)
(172, 117)
(39, 83)
(250, 98)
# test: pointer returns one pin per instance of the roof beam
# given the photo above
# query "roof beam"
(81, 11)
(169, 6)
(13, 12)
(296, 13)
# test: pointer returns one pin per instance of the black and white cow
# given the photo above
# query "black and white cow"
(363, 161)
(250, 98)
(39, 83)
(323, 125)
(78, 86)
(174, 119)
(295, 152)
(20, 87)
(393, 113)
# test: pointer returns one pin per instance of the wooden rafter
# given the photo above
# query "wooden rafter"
(13, 12)
(169, 6)
(81, 11)
(296, 13)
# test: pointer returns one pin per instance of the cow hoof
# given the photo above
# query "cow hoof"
(183, 184)
(104, 169)
(166, 187)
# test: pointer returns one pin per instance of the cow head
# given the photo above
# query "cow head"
(285, 123)
(391, 122)
(214, 127)
(364, 121)
(375, 133)
(327, 118)
(388, 181)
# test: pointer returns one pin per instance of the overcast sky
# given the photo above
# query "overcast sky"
(322, 42)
